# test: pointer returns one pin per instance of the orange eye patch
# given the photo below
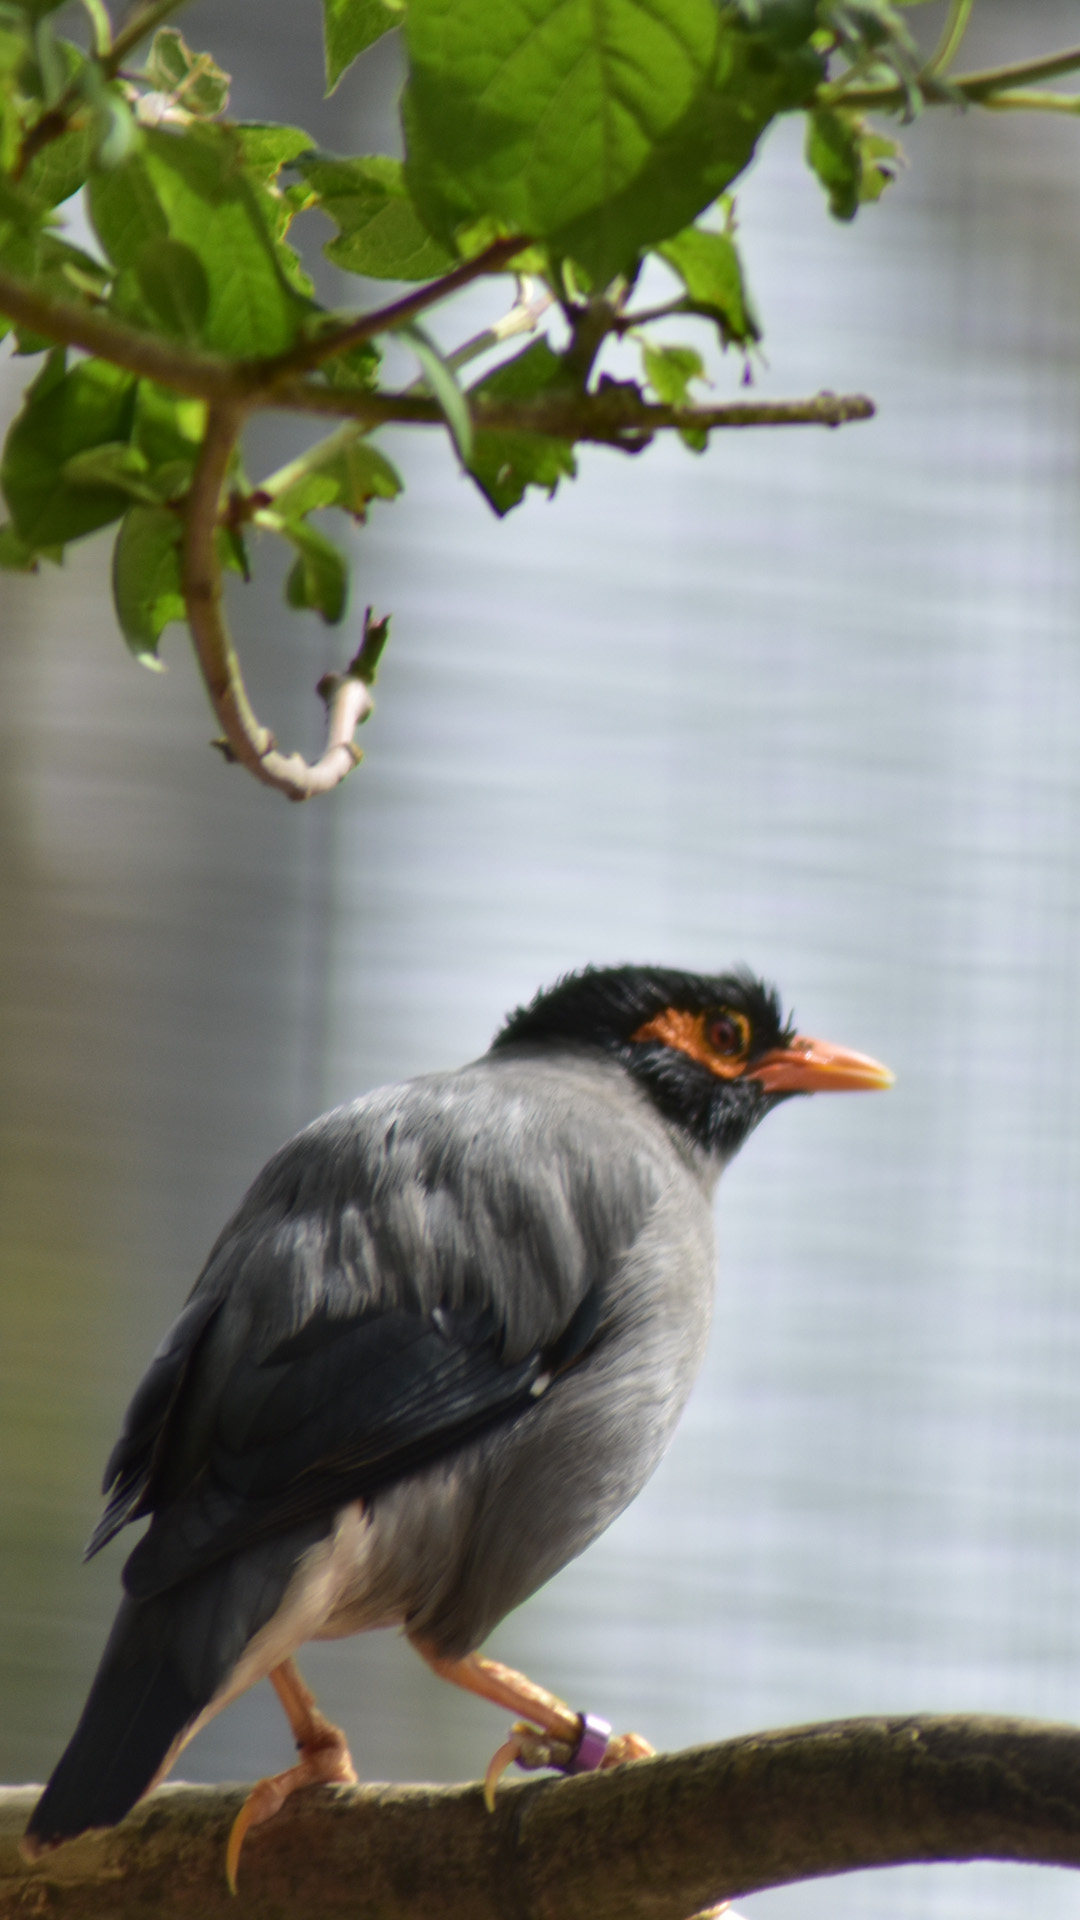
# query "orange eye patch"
(719, 1040)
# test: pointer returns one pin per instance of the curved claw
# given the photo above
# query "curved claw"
(321, 1765)
(528, 1747)
(502, 1758)
(261, 1804)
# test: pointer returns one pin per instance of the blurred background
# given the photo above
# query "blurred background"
(811, 701)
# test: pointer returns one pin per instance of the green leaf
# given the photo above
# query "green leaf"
(504, 464)
(358, 368)
(195, 80)
(882, 159)
(350, 475)
(191, 188)
(832, 150)
(116, 132)
(15, 555)
(57, 269)
(168, 62)
(266, 149)
(232, 551)
(146, 578)
(52, 67)
(60, 169)
(167, 428)
(669, 371)
(82, 409)
(442, 380)
(320, 578)
(267, 146)
(597, 128)
(66, 270)
(112, 464)
(349, 26)
(173, 283)
(381, 232)
(853, 163)
(49, 375)
(709, 267)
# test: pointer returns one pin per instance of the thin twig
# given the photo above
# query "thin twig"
(615, 415)
(246, 740)
(336, 340)
(973, 87)
(1033, 100)
(523, 317)
(141, 23)
(952, 33)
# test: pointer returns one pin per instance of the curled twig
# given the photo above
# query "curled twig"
(244, 739)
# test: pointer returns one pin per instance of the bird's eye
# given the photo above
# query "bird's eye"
(728, 1034)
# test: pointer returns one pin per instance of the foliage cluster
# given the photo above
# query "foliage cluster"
(560, 142)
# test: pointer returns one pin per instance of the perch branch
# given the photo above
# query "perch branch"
(347, 696)
(615, 415)
(654, 1841)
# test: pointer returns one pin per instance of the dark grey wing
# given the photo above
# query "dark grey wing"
(334, 1413)
(130, 1467)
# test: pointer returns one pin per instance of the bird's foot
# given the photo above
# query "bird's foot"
(324, 1760)
(529, 1748)
(626, 1746)
(595, 1749)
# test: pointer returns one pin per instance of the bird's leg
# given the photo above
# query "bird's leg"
(551, 1734)
(324, 1758)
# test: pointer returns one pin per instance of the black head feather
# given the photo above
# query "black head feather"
(605, 1006)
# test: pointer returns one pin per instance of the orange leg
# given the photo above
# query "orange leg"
(324, 1757)
(549, 1733)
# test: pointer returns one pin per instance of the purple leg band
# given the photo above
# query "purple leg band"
(591, 1747)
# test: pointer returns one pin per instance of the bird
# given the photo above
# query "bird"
(444, 1340)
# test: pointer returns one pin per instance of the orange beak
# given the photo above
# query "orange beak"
(813, 1066)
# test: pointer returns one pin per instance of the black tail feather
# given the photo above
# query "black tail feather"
(139, 1705)
(164, 1662)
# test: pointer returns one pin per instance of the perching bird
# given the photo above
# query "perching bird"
(441, 1345)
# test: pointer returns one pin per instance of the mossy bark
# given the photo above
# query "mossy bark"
(658, 1840)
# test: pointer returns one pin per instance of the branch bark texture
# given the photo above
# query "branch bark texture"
(657, 1840)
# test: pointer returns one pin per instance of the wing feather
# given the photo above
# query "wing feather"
(333, 1414)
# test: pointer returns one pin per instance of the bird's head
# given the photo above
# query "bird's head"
(714, 1051)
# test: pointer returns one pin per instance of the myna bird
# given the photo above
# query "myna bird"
(442, 1344)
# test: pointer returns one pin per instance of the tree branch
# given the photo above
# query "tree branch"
(654, 1841)
(973, 87)
(203, 376)
(615, 415)
(347, 696)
